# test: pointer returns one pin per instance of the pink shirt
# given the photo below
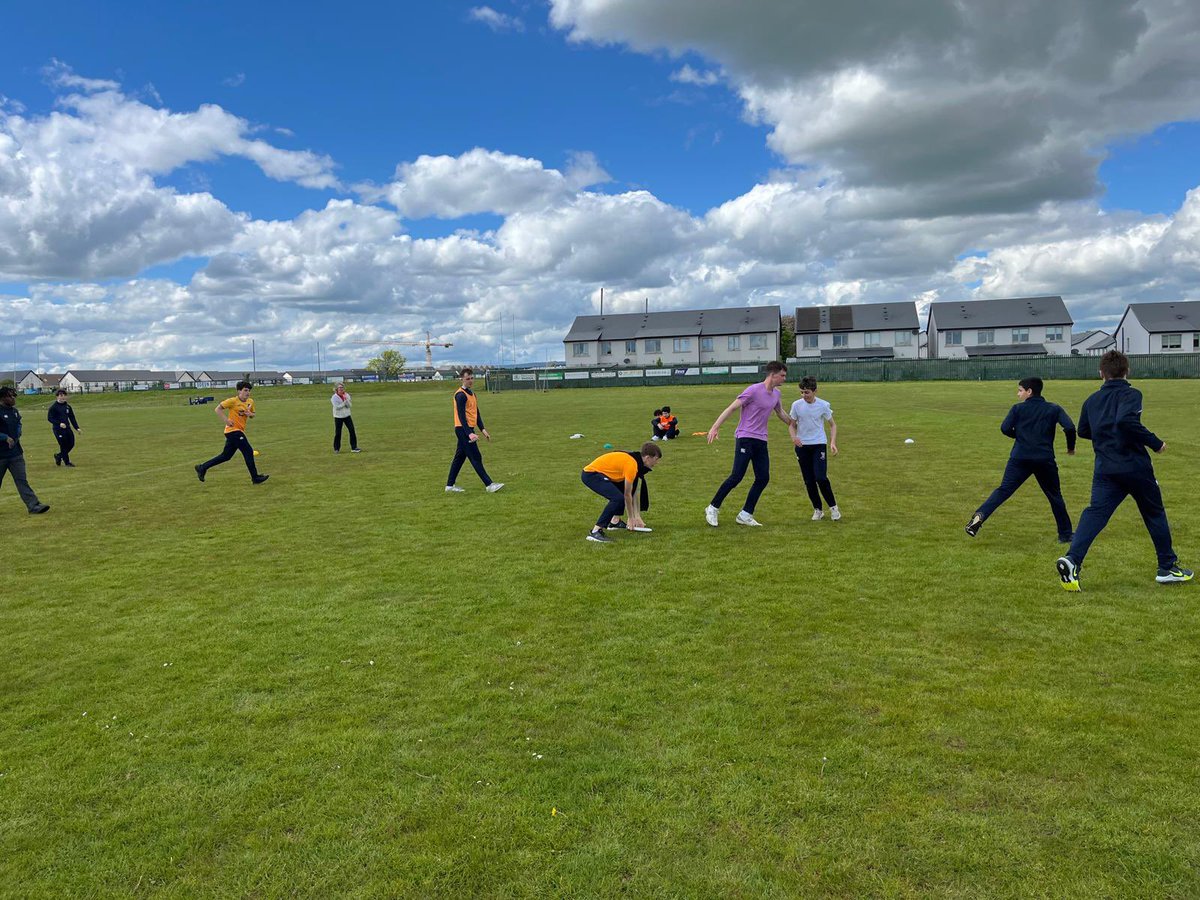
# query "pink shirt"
(757, 405)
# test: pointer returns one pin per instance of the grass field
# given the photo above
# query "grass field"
(347, 682)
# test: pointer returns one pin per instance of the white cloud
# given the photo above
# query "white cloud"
(688, 75)
(497, 21)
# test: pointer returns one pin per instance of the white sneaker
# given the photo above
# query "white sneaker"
(494, 486)
(655, 438)
(818, 515)
(744, 518)
(710, 515)
(835, 513)
(454, 489)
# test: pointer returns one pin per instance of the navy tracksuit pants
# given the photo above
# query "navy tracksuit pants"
(234, 441)
(610, 492)
(1107, 493)
(467, 449)
(747, 452)
(1016, 473)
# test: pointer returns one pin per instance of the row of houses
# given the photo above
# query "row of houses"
(1021, 326)
(96, 380)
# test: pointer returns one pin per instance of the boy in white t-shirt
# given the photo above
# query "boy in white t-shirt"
(809, 415)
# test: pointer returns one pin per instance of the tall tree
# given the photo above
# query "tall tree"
(787, 337)
(388, 364)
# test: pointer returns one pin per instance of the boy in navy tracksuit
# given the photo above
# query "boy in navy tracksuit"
(12, 457)
(1032, 423)
(62, 418)
(1112, 420)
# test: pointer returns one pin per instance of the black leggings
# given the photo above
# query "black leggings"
(234, 441)
(66, 442)
(467, 449)
(347, 422)
(747, 452)
(813, 467)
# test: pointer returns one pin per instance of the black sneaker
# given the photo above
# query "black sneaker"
(68, 464)
(974, 525)
(616, 526)
(1066, 538)
(200, 472)
(58, 459)
(1173, 575)
(600, 537)
(259, 479)
(40, 508)
(1068, 572)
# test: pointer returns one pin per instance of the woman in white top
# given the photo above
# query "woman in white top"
(341, 419)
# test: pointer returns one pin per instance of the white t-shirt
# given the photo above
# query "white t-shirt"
(810, 420)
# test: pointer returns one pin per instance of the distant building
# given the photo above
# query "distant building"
(1092, 343)
(1159, 328)
(1022, 326)
(858, 331)
(92, 380)
(682, 338)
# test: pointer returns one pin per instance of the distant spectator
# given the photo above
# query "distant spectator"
(342, 419)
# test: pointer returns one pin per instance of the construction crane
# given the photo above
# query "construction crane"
(429, 343)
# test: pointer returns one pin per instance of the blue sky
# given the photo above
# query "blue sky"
(765, 151)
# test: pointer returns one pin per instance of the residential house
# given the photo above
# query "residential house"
(858, 331)
(1022, 326)
(678, 338)
(1092, 343)
(1160, 328)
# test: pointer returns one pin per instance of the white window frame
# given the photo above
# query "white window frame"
(841, 339)
(1172, 341)
(682, 345)
(985, 337)
(580, 348)
(811, 341)
(954, 337)
(758, 342)
(706, 344)
(1020, 335)
(872, 339)
(903, 338)
(631, 346)
(653, 345)
(606, 348)
(1054, 334)
(735, 342)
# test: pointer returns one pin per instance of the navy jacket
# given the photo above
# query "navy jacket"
(1031, 424)
(61, 414)
(10, 427)
(1112, 420)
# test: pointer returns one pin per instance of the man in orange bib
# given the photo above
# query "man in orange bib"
(466, 419)
(613, 476)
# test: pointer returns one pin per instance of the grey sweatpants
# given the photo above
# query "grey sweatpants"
(16, 465)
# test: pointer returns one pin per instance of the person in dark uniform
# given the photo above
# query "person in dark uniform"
(1032, 424)
(12, 457)
(62, 419)
(1112, 420)
(466, 420)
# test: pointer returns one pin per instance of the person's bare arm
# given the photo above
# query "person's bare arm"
(716, 426)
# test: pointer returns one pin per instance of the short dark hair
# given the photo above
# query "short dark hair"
(61, 392)
(6, 391)
(651, 449)
(466, 370)
(1032, 384)
(658, 412)
(1114, 364)
(244, 384)
(666, 409)
(775, 366)
(808, 383)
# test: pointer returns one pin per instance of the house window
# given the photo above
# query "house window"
(758, 342)
(809, 341)
(606, 348)
(682, 345)
(631, 346)
(1054, 334)
(1196, 341)
(903, 338)
(1020, 335)
(735, 342)
(954, 338)
(1172, 341)
(654, 346)
(872, 338)
(985, 336)
(841, 340)
(580, 350)
(706, 345)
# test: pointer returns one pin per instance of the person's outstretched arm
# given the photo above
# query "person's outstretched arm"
(716, 426)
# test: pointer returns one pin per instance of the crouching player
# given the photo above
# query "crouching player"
(615, 476)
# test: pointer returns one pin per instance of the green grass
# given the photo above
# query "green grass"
(346, 682)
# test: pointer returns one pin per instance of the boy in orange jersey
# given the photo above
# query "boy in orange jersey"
(241, 410)
(614, 476)
(466, 419)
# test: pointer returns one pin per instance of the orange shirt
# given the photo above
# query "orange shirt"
(472, 409)
(237, 410)
(615, 466)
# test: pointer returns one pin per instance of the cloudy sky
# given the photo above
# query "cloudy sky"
(175, 185)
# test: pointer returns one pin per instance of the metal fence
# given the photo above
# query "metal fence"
(996, 368)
